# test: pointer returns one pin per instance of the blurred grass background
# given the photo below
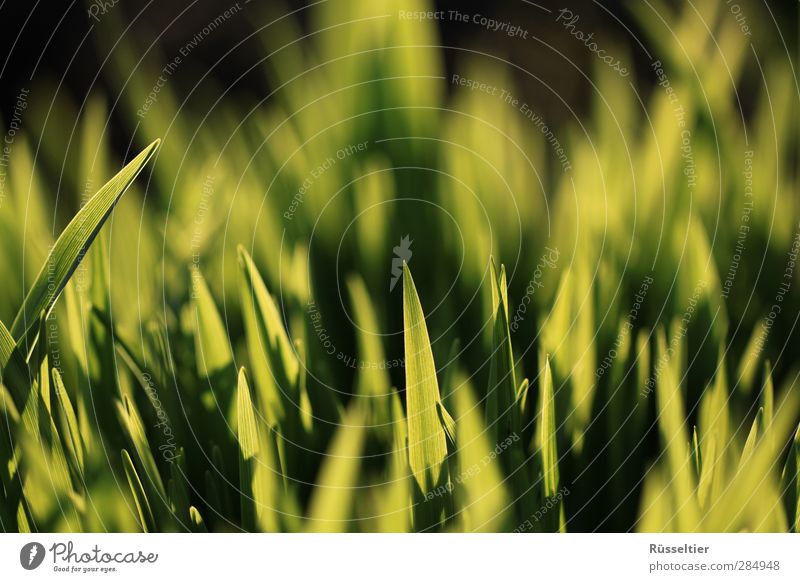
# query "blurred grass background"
(248, 117)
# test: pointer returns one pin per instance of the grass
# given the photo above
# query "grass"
(211, 352)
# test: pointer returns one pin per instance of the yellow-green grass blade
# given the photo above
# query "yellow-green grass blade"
(146, 520)
(279, 341)
(767, 396)
(196, 523)
(71, 247)
(675, 439)
(393, 503)
(213, 351)
(247, 437)
(714, 438)
(131, 422)
(337, 488)
(69, 423)
(502, 414)
(480, 489)
(427, 444)
(751, 499)
(548, 450)
(306, 412)
(272, 493)
(790, 483)
(749, 363)
(372, 379)
(266, 339)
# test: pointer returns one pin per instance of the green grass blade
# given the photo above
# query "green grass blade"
(146, 519)
(247, 436)
(196, 523)
(790, 483)
(427, 444)
(273, 363)
(480, 489)
(502, 414)
(670, 409)
(372, 379)
(337, 487)
(73, 440)
(213, 351)
(13, 370)
(131, 421)
(546, 436)
(71, 247)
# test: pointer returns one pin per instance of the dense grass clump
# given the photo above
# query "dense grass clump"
(366, 305)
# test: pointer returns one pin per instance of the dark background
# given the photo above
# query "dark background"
(43, 39)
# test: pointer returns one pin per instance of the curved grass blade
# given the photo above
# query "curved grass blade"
(211, 338)
(131, 421)
(427, 444)
(337, 487)
(260, 347)
(71, 246)
(146, 519)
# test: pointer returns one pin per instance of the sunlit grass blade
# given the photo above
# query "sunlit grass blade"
(548, 450)
(751, 500)
(214, 355)
(196, 523)
(71, 246)
(337, 487)
(372, 378)
(675, 439)
(70, 427)
(502, 414)
(257, 310)
(146, 519)
(790, 483)
(427, 445)
(131, 421)
(249, 448)
(484, 503)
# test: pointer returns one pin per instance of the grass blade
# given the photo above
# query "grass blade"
(247, 436)
(427, 445)
(71, 246)
(546, 435)
(337, 486)
(146, 519)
